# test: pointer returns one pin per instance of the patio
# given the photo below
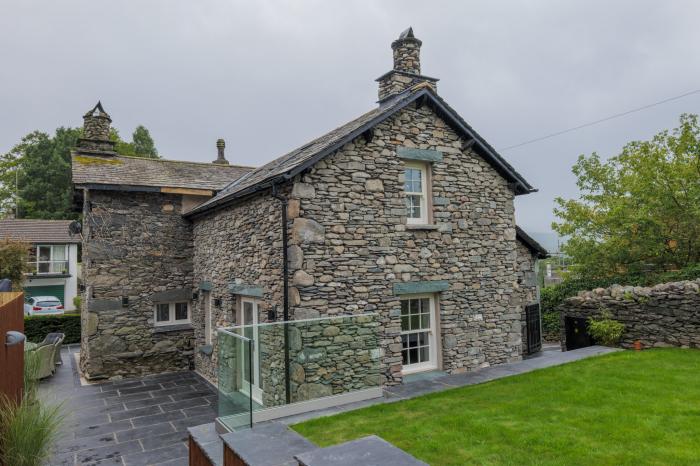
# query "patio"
(131, 422)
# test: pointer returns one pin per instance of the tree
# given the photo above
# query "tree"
(35, 175)
(14, 256)
(639, 211)
(143, 143)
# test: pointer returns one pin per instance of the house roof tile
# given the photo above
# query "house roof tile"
(138, 171)
(37, 231)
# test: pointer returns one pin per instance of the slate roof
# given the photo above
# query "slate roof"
(534, 247)
(138, 171)
(292, 163)
(37, 231)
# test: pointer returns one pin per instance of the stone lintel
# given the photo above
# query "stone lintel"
(172, 328)
(246, 290)
(103, 305)
(171, 296)
(205, 286)
(434, 286)
(424, 155)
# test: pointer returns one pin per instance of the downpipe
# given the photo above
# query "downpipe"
(285, 280)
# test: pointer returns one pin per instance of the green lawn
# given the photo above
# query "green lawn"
(626, 408)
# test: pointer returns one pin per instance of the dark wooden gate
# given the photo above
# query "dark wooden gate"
(11, 353)
(534, 327)
(576, 331)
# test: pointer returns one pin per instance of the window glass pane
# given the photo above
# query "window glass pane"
(413, 355)
(425, 321)
(404, 357)
(412, 340)
(413, 207)
(405, 324)
(424, 354)
(404, 307)
(415, 321)
(59, 253)
(44, 267)
(163, 313)
(44, 253)
(415, 306)
(180, 311)
(247, 313)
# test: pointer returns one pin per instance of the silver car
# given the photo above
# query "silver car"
(43, 306)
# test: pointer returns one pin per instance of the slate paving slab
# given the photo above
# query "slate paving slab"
(140, 421)
(367, 451)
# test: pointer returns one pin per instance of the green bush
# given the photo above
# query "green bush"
(36, 327)
(77, 302)
(552, 296)
(605, 330)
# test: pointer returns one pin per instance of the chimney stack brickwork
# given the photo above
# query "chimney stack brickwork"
(96, 127)
(406, 71)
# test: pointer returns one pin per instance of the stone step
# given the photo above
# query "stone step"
(206, 441)
(367, 451)
(266, 444)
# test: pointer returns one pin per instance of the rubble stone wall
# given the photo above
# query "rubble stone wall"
(667, 314)
(526, 290)
(135, 245)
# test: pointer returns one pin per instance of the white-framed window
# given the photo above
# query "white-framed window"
(171, 313)
(416, 192)
(50, 259)
(418, 335)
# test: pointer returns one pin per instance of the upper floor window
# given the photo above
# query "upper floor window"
(172, 313)
(50, 258)
(416, 192)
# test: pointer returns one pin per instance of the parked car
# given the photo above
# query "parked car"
(43, 306)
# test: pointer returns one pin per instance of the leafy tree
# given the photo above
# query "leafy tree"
(143, 143)
(639, 211)
(13, 261)
(35, 175)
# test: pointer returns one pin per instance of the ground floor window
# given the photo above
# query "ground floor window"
(418, 333)
(172, 313)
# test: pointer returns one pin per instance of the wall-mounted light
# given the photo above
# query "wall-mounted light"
(272, 313)
(217, 302)
(125, 301)
(195, 296)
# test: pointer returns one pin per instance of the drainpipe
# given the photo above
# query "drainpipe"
(285, 281)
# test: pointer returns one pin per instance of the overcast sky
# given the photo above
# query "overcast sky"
(268, 76)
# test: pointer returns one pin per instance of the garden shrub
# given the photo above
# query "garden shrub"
(36, 327)
(605, 330)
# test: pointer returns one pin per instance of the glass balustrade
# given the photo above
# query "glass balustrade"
(303, 364)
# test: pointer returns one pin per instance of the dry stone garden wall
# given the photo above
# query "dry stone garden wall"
(667, 314)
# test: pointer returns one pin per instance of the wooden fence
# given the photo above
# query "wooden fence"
(11, 357)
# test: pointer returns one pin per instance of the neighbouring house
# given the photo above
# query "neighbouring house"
(405, 212)
(53, 257)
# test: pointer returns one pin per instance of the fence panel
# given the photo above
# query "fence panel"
(12, 355)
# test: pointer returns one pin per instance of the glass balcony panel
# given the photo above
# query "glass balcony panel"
(285, 363)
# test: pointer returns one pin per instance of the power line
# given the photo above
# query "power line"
(611, 117)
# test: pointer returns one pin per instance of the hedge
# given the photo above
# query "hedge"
(36, 327)
(552, 296)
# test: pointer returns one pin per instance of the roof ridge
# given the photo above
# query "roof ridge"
(170, 161)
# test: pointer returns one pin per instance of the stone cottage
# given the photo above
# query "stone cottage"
(405, 212)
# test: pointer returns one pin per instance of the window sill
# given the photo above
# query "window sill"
(421, 226)
(172, 328)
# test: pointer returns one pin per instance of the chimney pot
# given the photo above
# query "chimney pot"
(220, 158)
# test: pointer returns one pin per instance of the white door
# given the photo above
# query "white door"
(248, 317)
(418, 333)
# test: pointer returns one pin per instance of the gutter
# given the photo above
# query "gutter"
(285, 281)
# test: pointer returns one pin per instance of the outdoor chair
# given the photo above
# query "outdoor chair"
(55, 339)
(46, 363)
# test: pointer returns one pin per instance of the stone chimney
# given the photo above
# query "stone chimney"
(96, 125)
(220, 146)
(406, 72)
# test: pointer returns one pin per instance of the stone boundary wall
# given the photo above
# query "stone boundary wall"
(663, 315)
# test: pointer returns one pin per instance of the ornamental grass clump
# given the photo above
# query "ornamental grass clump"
(28, 429)
(605, 330)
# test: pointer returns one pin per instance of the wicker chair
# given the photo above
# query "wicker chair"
(56, 340)
(46, 364)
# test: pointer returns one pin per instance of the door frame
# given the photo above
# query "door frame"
(256, 390)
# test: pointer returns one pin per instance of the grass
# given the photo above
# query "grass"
(626, 408)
